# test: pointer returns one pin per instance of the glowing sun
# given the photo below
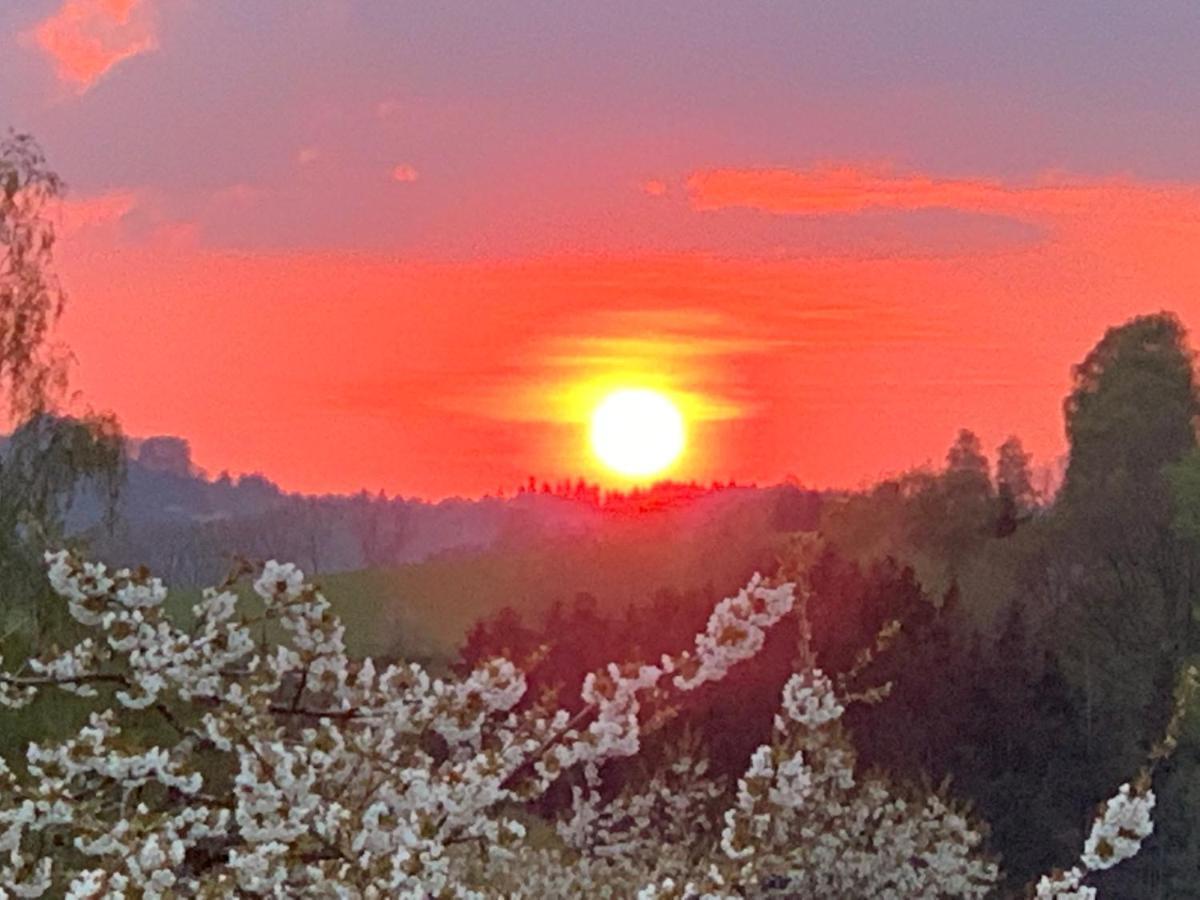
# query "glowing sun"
(637, 432)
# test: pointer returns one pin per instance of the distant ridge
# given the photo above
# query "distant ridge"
(186, 525)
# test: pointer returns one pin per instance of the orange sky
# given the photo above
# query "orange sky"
(832, 369)
(420, 299)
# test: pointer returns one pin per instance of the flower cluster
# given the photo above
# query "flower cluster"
(1123, 822)
(804, 822)
(1120, 827)
(736, 631)
(248, 754)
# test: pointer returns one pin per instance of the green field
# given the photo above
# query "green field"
(422, 612)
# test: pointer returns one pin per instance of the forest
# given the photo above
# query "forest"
(961, 681)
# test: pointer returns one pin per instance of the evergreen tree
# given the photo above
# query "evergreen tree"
(1015, 496)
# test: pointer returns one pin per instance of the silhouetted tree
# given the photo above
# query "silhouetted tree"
(1015, 495)
(1131, 410)
(31, 299)
(1126, 622)
(49, 456)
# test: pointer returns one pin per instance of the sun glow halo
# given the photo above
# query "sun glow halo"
(637, 432)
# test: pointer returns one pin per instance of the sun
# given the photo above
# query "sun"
(637, 432)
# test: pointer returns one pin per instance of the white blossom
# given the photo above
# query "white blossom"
(279, 581)
(1120, 827)
(1119, 830)
(736, 630)
(286, 768)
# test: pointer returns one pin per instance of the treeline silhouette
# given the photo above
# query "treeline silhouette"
(662, 494)
(173, 517)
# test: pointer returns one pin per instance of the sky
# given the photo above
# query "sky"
(408, 246)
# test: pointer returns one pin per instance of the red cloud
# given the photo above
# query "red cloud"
(849, 188)
(838, 189)
(404, 172)
(95, 214)
(86, 38)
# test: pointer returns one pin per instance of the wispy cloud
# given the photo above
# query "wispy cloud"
(79, 214)
(386, 109)
(87, 38)
(150, 217)
(836, 189)
(404, 172)
(698, 354)
(848, 188)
